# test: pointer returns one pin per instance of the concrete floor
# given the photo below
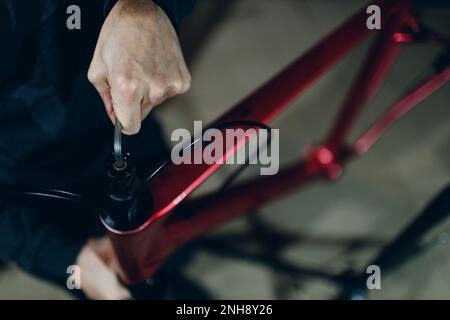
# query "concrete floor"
(376, 197)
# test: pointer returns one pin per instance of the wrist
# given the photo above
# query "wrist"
(175, 10)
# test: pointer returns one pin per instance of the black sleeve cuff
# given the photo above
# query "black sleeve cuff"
(8, 52)
(174, 9)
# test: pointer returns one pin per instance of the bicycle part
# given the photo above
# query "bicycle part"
(119, 163)
(143, 250)
(127, 207)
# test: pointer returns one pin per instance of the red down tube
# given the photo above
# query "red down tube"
(141, 251)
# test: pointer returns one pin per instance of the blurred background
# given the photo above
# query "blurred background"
(286, 249)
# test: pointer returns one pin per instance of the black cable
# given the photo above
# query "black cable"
(231, 178)
(63, 195)
(225, 125)
(239, 171)
(51, 194)
(81, 201)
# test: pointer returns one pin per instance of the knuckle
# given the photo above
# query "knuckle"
(160, 85)
(127, 88)
(186, 87)
(158, 90)
(173, 89)
(186, 84)
(93, 75)
(176, 86)
(157, 97)
(188, 78)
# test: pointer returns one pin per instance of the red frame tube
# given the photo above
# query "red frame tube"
(400, 109)
(376, 67)
(142, 251)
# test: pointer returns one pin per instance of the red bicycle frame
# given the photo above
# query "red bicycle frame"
(143, 250)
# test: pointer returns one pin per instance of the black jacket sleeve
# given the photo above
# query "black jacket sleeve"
(17, 19)
(42, 238)
(27, 237)
(7, 53)
(36, 241)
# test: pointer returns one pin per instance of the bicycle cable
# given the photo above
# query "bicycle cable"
(83, 202)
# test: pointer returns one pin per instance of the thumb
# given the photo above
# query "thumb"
(98, 281)
(106, 285)
(126, 99)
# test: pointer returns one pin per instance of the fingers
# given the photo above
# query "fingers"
(134, 100)
(97, 77)
(104, 249)
(121, 97)
(130, 98)
(107, 100)
(162, 89)
(127, 95)
(185, 77)
(104, 284)
(137, 65)
(98, 280)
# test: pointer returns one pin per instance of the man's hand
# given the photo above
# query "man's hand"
(137, 63)
(100, 270)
